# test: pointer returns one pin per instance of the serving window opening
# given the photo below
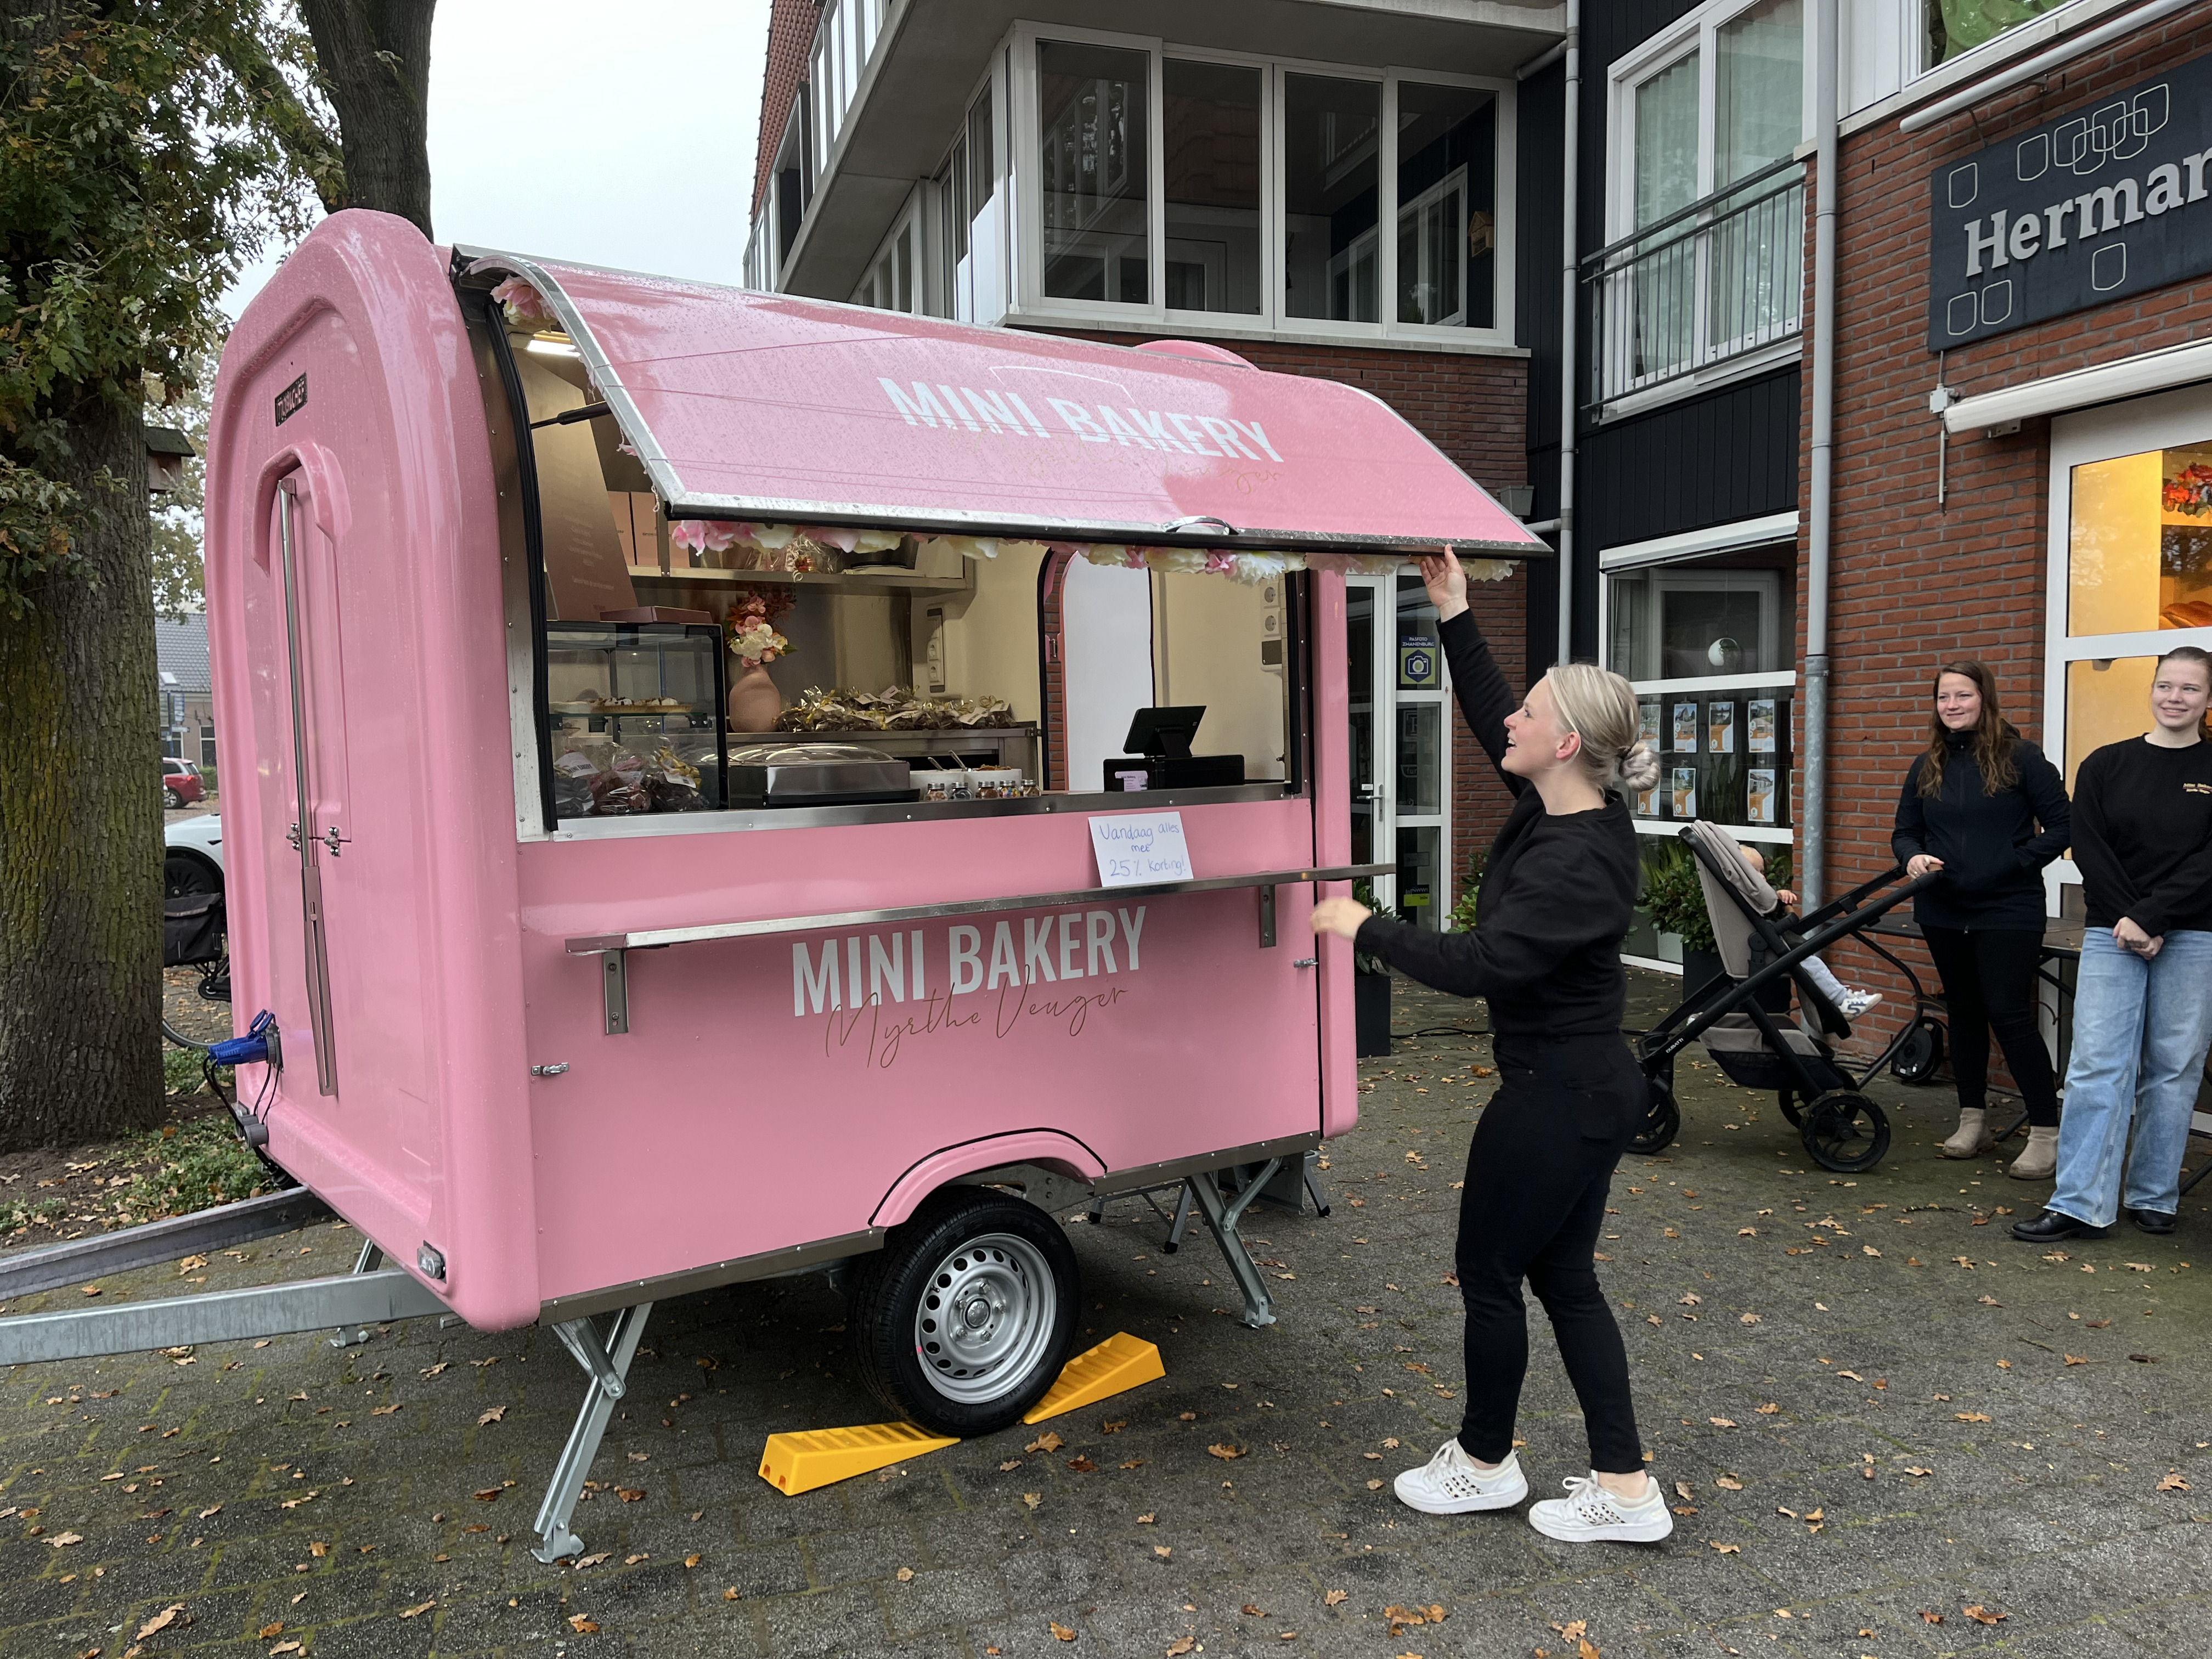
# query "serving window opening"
(756, 671)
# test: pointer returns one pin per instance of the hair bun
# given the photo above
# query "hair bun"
(1639, 767)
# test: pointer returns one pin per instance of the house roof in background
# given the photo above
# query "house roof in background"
(181, 650)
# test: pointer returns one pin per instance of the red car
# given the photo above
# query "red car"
(181, 782)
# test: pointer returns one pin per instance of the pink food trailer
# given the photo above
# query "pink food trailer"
(743, 785)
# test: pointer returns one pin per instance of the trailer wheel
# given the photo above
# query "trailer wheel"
(1662, 1120)
(1845, 1132)
(965, 1318)
(1923, 1051)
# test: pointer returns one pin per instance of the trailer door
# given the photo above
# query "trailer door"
(306, 772)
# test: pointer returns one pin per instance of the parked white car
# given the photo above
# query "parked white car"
(193, 860)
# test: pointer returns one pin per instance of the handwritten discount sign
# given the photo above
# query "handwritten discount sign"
(1134, 848)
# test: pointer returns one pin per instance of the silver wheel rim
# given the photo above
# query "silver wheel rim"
(985, 1319)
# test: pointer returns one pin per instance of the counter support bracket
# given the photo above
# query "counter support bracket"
(1222, 1216)
(614, 986)
(1267, 918)
(607, 1364)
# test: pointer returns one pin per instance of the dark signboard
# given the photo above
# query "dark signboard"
(2101, 203)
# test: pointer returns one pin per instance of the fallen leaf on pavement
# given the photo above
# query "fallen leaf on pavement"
(160, 1621)
(489, 1495)
(495, 1414)
(1060, 1632)
(384, 1411)
(1032, 1499)
(583, 1625)
(1769, 1409)
(629, 1494)
(690, 1561)
(1081, 1464)
(1721, 1422)
(1983, 1616)
(1146, 1519)
(905, 1575)
(1181, 1646)
(2173, 1483)
(1011, 1463)
(2077, 1359)
(1725, 1549)
(1163, 1551)
(1730, 1483)
(1972, 1417)
(418, 1610)
(1225, 1451)
(1335, 1598)
(1253, 1608)
(1044, 1442)
(271, 1633)
(63, 1540)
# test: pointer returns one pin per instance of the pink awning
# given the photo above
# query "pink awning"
(759, 407)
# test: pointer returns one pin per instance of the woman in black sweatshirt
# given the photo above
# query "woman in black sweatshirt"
(1558, 894)
(1982, 805)
(2143, 999)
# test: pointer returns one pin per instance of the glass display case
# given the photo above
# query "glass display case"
(634, 713)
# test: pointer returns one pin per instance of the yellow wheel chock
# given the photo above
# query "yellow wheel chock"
(801, 1460)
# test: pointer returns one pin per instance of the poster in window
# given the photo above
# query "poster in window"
(1686, 791)
(1647, 724)
(1685, 728)
(1762, 722)
(1759, 796)
(1720, 727)
(1647, 802)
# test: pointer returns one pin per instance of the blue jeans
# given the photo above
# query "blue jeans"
(2139, 1032)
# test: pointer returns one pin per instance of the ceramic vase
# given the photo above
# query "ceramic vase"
(754, 700)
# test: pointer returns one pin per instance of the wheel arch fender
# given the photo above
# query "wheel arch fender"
(1052, 1150)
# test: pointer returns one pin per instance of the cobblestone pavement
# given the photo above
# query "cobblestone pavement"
(1898, 1432)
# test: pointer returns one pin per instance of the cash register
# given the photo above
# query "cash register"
(1159, 756)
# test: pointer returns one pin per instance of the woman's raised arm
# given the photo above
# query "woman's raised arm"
(1485, 699)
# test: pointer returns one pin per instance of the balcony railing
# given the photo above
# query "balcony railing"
(1714, 280)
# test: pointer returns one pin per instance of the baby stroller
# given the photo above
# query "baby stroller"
(1742, 1016)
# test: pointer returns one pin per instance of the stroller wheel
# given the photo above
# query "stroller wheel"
(1662, 1120)
(1844, 1131)
(1923, 1051)
(1787, 1100)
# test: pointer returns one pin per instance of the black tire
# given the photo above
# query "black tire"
(1017, 1272)
(1845, 1132)
(1786, 1099)
(184, 875)
(1662, 1120)
(1922, 1053)
(172, 799)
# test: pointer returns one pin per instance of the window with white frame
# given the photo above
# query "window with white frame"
(1953, 27)
(894, 281)
(971, 239)
(1705, 216)
(1165, 180)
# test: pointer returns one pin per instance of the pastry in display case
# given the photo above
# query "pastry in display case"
(635, 714)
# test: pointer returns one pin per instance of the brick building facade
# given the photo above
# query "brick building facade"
(1944, 544)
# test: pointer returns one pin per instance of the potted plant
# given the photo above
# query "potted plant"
(1370, 987)
(1675, 899)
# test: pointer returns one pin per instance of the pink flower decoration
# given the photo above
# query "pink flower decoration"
(704, 535)
(844, 540)
(1221, 564)
(521, 300)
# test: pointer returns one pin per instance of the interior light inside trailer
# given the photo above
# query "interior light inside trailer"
(552, 345)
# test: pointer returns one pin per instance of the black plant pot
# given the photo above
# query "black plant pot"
(1371, 1012)
(1699, 967)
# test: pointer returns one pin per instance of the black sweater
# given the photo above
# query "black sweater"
(1991, 845)
(2142, 835)
(1558, 894)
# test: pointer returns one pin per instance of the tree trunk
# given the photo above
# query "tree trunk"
(81, 819)
(375, 61)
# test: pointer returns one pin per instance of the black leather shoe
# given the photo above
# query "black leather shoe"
(2154, 1221)
(2054, 1224)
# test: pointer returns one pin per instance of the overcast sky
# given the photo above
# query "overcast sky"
(619, 137)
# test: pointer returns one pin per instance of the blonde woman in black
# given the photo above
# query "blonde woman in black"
(1558, 893)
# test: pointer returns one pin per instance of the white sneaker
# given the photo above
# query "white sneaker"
(1856, 1002)
(1451, 1483)
(1589, 1513)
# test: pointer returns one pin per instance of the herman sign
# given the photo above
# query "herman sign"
(2105, 203)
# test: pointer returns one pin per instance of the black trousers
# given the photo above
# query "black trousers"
(1988, 984)
(1537, 1175)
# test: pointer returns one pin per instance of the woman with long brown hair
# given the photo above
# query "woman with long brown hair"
(1983, 806)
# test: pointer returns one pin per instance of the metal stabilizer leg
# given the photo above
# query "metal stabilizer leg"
(1221, 1219)
(1180, 1224)
(607, 1364)
(370, 1259)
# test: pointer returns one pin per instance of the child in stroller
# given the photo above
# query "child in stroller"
(1849, 1001)
(1742, 1016)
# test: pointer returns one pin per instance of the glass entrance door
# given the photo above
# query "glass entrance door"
(1399, 714)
